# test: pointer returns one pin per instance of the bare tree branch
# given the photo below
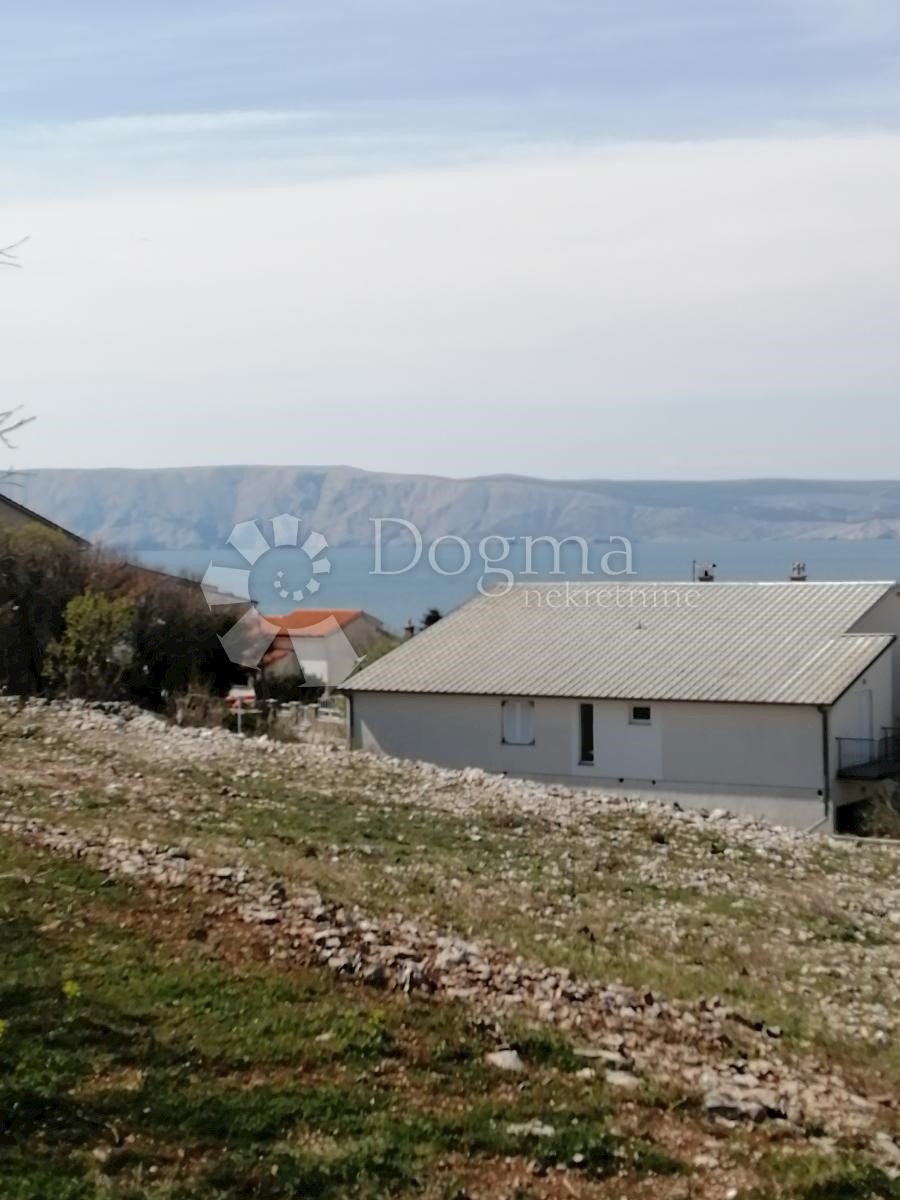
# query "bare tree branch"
(8, 256)
(10, 421)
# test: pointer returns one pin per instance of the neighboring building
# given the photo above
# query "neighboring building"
(778, 698)
(17, 516)
(323, 645)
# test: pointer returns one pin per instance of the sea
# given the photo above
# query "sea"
(398, 590)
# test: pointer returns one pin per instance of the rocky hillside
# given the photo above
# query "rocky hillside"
(724, 992)
(197, 506)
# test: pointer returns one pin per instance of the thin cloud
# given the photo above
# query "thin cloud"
(177, 125)
(751, 277)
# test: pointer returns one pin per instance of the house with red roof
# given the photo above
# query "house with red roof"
(320, 645)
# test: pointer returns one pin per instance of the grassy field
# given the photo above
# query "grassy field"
(142, 1057)
(136, 1062)
(778, 933)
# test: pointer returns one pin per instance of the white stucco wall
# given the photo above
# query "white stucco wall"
(763, 759)
(847, 711)
(884, 617)
(850, 713)
(327, 659)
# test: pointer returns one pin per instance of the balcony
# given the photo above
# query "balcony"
(869, 758)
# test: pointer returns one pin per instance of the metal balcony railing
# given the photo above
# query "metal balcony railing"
(870, 758)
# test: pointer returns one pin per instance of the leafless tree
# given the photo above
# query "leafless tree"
(11, 419)
(8, 256)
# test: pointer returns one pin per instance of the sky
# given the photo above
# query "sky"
(570, 238)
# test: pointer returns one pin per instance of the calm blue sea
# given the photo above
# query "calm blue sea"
(395, 598)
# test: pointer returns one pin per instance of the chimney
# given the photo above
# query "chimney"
(409, 629)
(798, 572)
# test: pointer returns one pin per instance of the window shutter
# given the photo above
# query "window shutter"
(518, 722)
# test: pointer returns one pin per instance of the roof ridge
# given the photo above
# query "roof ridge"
(717, 583)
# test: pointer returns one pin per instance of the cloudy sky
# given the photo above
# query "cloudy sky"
(558, 237)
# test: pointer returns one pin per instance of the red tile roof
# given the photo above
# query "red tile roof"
(303, 618)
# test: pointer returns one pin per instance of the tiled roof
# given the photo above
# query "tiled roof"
(304, 618)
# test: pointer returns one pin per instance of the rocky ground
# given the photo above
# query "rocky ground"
(731, 987)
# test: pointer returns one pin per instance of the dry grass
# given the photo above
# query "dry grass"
(796, 934)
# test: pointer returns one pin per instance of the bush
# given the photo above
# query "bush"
(96, 649)
(881, 817)
(164, 623)
(40, 572)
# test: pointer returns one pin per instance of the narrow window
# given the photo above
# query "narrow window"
(640, 714)
(518, 722)
(586, 721)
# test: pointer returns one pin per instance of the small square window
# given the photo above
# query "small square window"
(518, 722)
(640, 714)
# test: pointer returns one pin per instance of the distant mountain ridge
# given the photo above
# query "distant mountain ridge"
(184, 508)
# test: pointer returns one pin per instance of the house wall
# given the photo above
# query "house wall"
(849, 715)
(766, 760)
(884, 617)
(12, 518)
(328, 659)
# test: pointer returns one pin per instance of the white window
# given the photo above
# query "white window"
(640, 714)
(518, 722)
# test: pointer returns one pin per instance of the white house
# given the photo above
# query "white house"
(321, 644)
(775, 699)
